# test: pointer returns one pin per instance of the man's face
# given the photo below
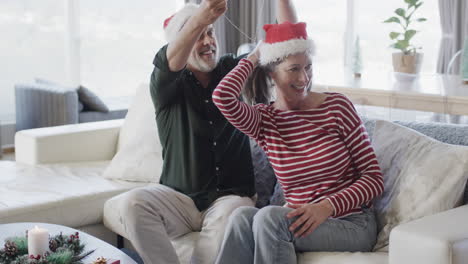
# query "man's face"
(204, 55)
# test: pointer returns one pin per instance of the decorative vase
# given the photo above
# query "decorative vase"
(410, 64)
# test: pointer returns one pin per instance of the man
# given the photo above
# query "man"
(207, 170)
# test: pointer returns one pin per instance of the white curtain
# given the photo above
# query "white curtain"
(454, 25)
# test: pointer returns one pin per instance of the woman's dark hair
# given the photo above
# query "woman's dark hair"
(259, 85)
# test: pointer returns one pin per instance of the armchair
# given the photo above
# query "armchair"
(44, 104)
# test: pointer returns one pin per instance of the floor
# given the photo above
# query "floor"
(8, 156)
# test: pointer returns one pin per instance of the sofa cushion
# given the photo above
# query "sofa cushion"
(184, 248)
(447, 133)
(67, 194)
(95, 116)
(422, 176)
(90, 100)
(51, 83)
(139, 154)
(265, 178)
(118, 108)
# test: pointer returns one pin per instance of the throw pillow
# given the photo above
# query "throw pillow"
(265, 178)
(422, 176)
(91, 101)
(51, 83)
(139, 153)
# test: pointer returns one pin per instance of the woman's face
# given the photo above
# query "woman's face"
(293, 76)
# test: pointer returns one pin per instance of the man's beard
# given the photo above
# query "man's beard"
(196, 62)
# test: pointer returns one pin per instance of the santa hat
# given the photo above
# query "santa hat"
(174, 23)
(284, 39)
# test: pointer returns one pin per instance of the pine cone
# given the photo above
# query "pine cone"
(11, 249)
(53, 245)
(100, 260)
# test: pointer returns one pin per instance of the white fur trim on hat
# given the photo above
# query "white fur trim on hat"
(178, 20)
(280, 50)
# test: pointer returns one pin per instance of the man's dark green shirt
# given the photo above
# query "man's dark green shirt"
(205, 157)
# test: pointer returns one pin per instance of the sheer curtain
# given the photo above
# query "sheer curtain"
(454, 24)
(242, 23)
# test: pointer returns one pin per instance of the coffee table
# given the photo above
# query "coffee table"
(102, 248)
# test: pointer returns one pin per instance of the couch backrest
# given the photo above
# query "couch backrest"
(447, 133)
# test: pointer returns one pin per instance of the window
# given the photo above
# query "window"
(374, 34)
(118, 42)
(326, 22)
(329, 22)
(33, 34)
(112, 48)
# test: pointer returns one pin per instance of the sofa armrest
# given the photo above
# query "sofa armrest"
(439, 238)
(45, 105)
(70, 143)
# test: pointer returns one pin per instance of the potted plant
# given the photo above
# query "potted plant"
(408, 60)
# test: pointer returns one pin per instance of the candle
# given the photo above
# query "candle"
(38, 241)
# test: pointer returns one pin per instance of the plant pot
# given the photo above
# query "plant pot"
(407, 63)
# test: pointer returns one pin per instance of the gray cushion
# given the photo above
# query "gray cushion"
(91, 101)
(277, 198)
(43, 105)
(51, 83)
(265, 178)
(93, 116)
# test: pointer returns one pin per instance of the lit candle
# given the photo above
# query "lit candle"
(38, 241)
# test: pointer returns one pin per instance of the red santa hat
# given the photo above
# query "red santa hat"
(284, 39)
(174, 23)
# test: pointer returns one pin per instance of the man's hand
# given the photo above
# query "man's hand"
(211, 10)
(310, 217)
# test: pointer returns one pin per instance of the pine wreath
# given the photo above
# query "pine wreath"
(64, 249)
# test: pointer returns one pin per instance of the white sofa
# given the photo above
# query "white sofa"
(57, 179)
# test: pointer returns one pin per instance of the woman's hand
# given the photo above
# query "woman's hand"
(254, 56)
(310, 217)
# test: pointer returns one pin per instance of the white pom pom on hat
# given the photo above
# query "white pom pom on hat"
(174, 23)
(282, 40)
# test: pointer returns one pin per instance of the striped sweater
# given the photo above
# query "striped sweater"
(321, 153)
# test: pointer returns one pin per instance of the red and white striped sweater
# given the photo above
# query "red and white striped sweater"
(317, 154)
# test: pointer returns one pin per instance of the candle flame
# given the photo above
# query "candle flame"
(35, 227)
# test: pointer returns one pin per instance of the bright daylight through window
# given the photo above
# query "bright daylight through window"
(330, 22)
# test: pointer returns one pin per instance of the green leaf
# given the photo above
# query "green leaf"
(422, 19)
(394, 35)
(400, 12)
(411, 2)
(409, 34)
(418, 5)
(401, 45)
(392, 20)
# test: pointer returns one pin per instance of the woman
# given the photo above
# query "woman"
(318, 148)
